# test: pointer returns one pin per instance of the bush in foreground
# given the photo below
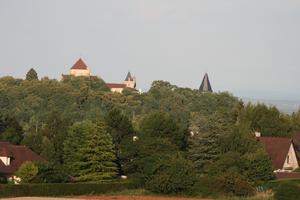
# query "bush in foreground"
(175, 175)
(235, 184)
(287, 191)
(27, 172)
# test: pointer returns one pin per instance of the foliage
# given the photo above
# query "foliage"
(51, 173)
(140, 157)
(162, 125)
(258, 167)
(174, 175)
(287, 191)
(206, 186)
(267, 120)
(234, 183)
(204, 146)
(10, 130)
(63, 189)
(31, 75)
(91, 157)
(76, 122)
(27, 172)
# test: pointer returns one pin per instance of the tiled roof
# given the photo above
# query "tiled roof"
(115, 85)
(5, 152)
(80, 65)
(277, 148)
(296, 137)
(18, 154)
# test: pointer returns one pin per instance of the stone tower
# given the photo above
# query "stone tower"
(80, 69)
(205, 85)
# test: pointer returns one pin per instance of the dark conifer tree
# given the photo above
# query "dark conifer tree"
(31, 75)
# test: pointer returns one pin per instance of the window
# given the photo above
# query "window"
(288, 159)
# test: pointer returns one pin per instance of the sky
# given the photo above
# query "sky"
(250, 48)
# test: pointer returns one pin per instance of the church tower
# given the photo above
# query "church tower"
(130, 81)
(205, 85)
(80, 69)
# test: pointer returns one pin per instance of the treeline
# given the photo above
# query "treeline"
(170, 139)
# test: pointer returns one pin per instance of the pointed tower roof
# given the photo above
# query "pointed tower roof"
(205, 85)
(128, 77)
(80, 65)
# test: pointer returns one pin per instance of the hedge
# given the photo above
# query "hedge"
(277, 183)
(63, 189)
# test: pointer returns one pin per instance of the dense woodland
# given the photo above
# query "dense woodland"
(184, 140)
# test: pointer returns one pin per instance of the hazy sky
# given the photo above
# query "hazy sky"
(250, 48)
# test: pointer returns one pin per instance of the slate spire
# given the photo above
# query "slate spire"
(205, 85)
(128, 77)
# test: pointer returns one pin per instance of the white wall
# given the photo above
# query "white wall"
(5, 160)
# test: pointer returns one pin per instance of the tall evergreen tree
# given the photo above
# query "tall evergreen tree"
(75, 140)
(204, 146)
(89, 152)
(31, 75)
(97, 157)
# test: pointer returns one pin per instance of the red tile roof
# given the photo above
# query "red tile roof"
(5, 152)
(277, 148)
(296, 137)
(19, 154)
(80, 65)
(115, 85)
(287, 175)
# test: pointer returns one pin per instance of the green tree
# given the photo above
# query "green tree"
(55, 129)
(258, 167)
(31, 75)
(76, 138)
(173, 175)
(205, 146)
(267, 120)
(159, 124)
(51, 173)
(33, 140)
(93, 159)
(27, 172)
(48, 150)
(10, 130)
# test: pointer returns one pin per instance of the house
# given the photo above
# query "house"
(205, 85)
(12, 157)
(281, 152)
(129, 82)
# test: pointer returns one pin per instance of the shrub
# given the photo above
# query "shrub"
(27, 172)
(51, 173)
(287, 191)
(206, 186)
(172, 176)
(235, 184)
